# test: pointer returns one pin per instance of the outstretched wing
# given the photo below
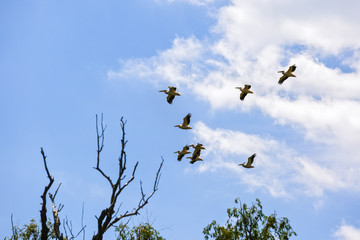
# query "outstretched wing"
(282, 79)
(243, 95)
(187, 119)
(251, 159)
(292, 68)
(172, 89)
(186, 148)
(196, 153)
(180, 156)
(170, 98)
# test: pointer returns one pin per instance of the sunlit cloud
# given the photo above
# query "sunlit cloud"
(251, 41)
(284, 172)
(347, 232)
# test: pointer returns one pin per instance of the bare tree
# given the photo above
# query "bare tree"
(108, 217)
(44, 228)
(45, 231)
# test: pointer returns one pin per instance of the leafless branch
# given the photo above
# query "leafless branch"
(44, 228)
(108, 217)
(57, 223)
(100, 146)
(13, 227)
(69, 226)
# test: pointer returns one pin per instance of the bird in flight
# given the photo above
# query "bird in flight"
(249, 162)
(186, 122)
(183, 152)
(195, 158)
(197, 148)
(287, 74)
(171, 94)
(244, 91)
(196, 154)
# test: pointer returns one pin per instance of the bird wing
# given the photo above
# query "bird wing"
(172, 89)
(170, 98)
(282, 79)
(243, 95)
(180, 156)
(292, 68)
(187, 119)
(251, 159)
(196, 153)
(186, 148)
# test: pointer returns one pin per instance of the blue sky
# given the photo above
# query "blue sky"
(62, 62)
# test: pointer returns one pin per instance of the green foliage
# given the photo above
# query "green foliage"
(250, 223)
(30, 231)
(143, 231)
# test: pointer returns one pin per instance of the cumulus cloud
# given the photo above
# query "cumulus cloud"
(252, 40)
(347, 232)
(284, 172)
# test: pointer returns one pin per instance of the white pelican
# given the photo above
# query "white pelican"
(197, 148)
(183, 152)
(287, 74)
(249, 162)
(171, 94)
(195, 159)
(186, 122)
(244, 91)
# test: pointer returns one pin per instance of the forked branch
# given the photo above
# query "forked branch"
(108, 217)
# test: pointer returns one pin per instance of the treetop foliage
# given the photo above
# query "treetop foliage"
(250, 223)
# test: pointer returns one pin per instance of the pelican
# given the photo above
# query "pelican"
(244, 91)
(287, 74)
(171, 94)
(197, 149)
(195, 158)
(183, 152)
(249, 162)
(186, 122)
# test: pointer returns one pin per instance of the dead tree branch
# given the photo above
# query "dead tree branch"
(108, 217)
(44, 228)
(68, 225)
(57, 223)
(43, 212)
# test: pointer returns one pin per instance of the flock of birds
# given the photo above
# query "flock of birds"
(171, 93)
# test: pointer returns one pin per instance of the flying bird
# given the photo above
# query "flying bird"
(195, 158)
(197, 148)
(287, 74)
(171, 94)
(249, 162)
(186, 122)
(244, 91)
(183, 152)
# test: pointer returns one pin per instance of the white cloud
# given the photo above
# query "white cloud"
(258, 23)
(347, 232)
(251, 41)
(284, 173)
